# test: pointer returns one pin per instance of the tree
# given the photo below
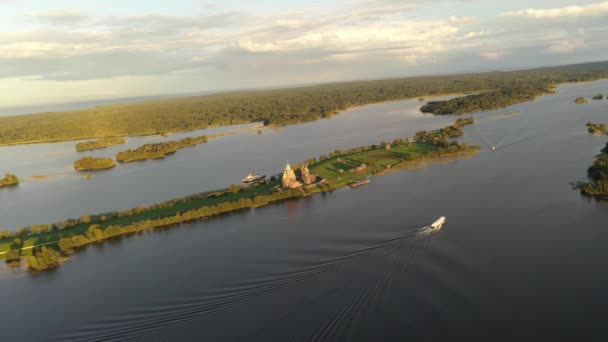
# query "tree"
(94, 232)
(234, 188)
(65, 244)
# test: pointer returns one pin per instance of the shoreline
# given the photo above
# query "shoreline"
(219, 135)
(553, 90)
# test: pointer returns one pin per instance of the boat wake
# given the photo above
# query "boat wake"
(393, 255)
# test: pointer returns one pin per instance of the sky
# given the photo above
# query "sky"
(80, 50)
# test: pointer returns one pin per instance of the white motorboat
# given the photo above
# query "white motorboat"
(438, 223)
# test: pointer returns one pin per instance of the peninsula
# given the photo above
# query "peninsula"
(9, 180)
(99, 143)
(490, 90)
(597, 186)
(93, 164)
(42, 245)
(158, 150)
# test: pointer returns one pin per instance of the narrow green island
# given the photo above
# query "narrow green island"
(598, 97)
(597, 186)
(580, 100)
(44, 246)
(94, 164)
(99, 144)
(597, 128)
(158, 150)
(9, 180)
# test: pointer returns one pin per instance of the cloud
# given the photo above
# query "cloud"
(566, 47)
(60, 17)
(597, 9)
(492, 55)
(361, 40)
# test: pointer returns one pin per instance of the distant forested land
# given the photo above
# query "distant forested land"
(487, 100)
(100, 143)
(158, 150)
(286, 106)
(9, 180)
(598, 176)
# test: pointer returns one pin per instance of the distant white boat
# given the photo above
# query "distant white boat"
(252, 178)
(493, 148)
(438, 223)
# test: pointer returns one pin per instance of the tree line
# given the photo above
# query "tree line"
(487, 100)
(158, 150)
(286, 106)
(99, 143)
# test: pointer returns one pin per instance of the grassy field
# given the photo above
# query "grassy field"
(377, 160)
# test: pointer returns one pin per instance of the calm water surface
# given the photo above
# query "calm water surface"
(522, 256)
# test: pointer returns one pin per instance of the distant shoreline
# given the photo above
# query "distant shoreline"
(292, 105)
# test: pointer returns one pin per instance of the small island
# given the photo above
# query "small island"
(9, 180)
(597, 186)
(94, 164)
(597, 128)
(598, 97)
(158, 150)
(486, 100)
(98, 144)
(580, 100)
(334, 170)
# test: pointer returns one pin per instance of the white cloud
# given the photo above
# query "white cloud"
(493, 55)
(597, 9)
(60, 16)
(566, 47)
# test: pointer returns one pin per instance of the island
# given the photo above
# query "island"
(94, 164)
(158, 150)
(9, 180)
(43, 246)
(482, 91)
(99, 144)
(597, 186)
(580, 100)
(598, 97)
(487, 100)
(597, 128)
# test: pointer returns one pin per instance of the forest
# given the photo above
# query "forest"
(486, 101)
(9, 180)
(93, 164)
(158, 150)
(290, 105)
(98, 144)
(598, 176)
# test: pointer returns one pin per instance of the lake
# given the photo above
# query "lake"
(521, 255)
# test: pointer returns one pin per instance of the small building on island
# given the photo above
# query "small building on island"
(307, 178)
(289, 180)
